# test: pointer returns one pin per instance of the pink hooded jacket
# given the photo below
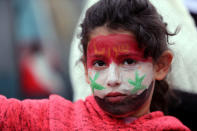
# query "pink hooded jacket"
(59, 114)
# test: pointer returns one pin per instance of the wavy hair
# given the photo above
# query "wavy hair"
(142, 19)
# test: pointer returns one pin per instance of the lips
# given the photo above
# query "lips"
(115, 97)
(114, 94)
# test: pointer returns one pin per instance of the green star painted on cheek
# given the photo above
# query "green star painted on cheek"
(137, 83)
(95, 85)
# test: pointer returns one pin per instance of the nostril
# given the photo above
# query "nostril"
(113, 84)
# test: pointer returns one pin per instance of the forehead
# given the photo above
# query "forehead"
(99, 39)
(103, 30)
(113, 45)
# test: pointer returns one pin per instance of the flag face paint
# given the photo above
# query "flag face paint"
(124, 76)
(121, 79)
(95, 85)
(128, 106)
(117, 59)
(115, 48)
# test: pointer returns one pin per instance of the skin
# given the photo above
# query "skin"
(131, 107)
(117, 58)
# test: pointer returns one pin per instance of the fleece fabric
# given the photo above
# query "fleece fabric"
(59, 114)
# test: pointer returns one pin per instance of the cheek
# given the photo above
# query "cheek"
(147, 69)
(91, 73)
(125, 75)
(130, 74)
(102, 77)
(101, 80)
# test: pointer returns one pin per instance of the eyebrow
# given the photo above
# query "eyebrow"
(129, 54)
(97, 56)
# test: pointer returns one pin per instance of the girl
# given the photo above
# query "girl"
(126, 59)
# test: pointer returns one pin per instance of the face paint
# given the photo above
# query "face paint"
(120, 75)
(129, 105)
(137, 84)
(114, 48)
(94, 85)
(121, 79)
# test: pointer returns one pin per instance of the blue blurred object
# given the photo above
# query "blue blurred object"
(25, 23)
(9, 84)
(191, 5)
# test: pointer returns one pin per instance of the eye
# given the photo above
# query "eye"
(129, 61)
(99, 63)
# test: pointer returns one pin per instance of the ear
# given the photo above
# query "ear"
(86, 74)
(163, 65)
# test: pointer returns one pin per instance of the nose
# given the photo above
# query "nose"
(113, 76)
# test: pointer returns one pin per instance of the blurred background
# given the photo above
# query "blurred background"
(35, 37)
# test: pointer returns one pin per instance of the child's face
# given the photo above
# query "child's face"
(122, 80)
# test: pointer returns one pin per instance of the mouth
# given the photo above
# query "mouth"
(115, 97)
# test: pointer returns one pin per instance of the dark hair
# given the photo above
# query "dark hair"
(139, 17)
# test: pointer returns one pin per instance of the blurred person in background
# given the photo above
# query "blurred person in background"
(43, 65)
(38, 77)
(35, 44)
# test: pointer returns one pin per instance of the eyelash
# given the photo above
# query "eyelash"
(129, 61)
(99, 63)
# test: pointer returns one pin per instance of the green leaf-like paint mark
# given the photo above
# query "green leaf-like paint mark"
(96, 76)
(95, 85)
(137, 83)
